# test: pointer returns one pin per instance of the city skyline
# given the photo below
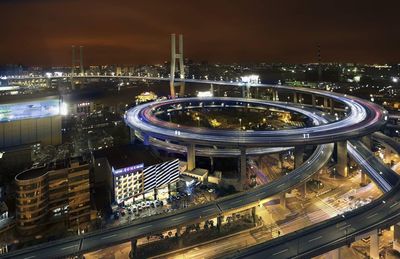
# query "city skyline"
(41, 32)
(199, 129)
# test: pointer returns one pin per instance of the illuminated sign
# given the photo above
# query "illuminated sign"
(29, 110)
(128, 169)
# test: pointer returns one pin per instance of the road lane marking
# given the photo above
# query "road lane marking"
(260, 194)
(344, 227)
(373, 215)
(280, 185)
(283, 251)
(68, 247)
(311, 240)
(394, 204)
(114, 235)
(175, 219)
(29, 257)
(208, 209)
(145, 227)
(236, 201)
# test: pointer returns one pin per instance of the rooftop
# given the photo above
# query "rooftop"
(128, 155)
(31, 173)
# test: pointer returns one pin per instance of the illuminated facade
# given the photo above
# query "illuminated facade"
(150, 182)
(34, 121)
(146, 97)
(58, 191)
(134, 172)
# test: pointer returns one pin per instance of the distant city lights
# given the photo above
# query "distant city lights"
(251, 79)
(205, 94)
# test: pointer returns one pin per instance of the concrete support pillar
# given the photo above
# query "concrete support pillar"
(374, 244)
(248, 91)
(334, 254)
(191, 157)
(178, 235)
(155, 193)
(332, 107)
(212, 89)
(363, 179)
(396, 237)
(295, 97)
(313, 102)
(257, 93)
(133, 251)
(212, 163)
(275, 95)
(219, 222)
(341, 154)
(145, 139)
(298, 156)
(367, 141)
(254, 215)
(244, 91)
(387, 154)
(132, 135)
(326, 102)
(242, 168)
(178, 231)
(282, 199)
(300, 97)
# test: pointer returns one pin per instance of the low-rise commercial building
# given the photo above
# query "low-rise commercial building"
(135, 173)
(58, 191)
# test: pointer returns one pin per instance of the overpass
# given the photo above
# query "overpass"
(365, 119)
(346, 228)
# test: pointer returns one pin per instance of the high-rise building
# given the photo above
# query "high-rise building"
(58, 191)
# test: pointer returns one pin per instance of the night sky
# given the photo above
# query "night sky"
(40, 32)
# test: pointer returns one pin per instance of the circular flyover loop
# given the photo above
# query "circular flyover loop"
(363, 118)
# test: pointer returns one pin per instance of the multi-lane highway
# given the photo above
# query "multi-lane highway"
(384, 177)
(331, 234)
(362, 118)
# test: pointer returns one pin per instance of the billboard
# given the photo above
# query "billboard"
(29, 110)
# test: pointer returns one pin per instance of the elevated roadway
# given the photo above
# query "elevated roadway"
(363, 118)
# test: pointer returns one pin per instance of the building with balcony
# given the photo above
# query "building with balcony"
(56, 192)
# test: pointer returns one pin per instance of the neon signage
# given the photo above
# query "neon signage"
(128, 169)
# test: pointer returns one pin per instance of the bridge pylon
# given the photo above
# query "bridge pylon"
(174, 57)
(74, 61)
